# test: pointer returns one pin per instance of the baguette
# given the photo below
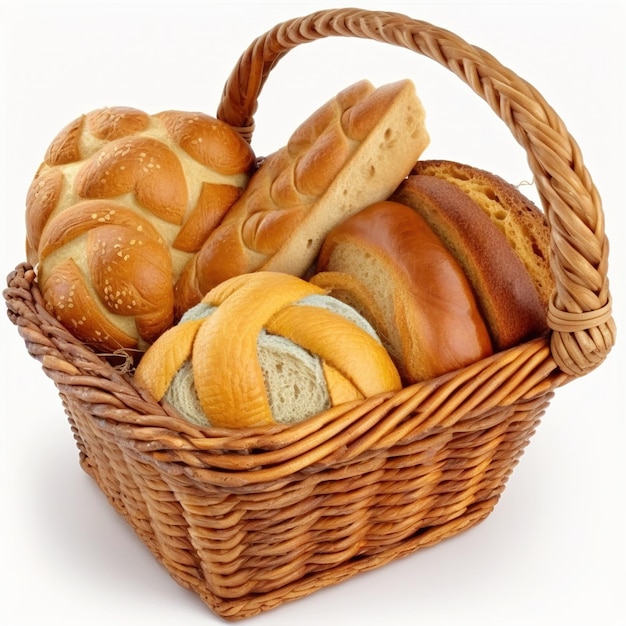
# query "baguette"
(523, 224)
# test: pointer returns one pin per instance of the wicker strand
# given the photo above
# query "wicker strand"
(579, 251)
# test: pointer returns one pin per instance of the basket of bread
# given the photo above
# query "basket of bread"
(284, 370)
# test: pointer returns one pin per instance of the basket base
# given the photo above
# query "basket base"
(254, 604)
(248, 607)
(468, 497)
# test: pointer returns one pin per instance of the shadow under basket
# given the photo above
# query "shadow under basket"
(251, 519)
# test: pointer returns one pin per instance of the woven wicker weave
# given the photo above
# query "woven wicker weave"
(252, 519)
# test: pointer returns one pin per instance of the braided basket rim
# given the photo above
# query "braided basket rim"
(243, 458)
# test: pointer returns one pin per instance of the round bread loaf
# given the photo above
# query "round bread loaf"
(388, 264)
(497, 235)
(122, 202)
(263, 348)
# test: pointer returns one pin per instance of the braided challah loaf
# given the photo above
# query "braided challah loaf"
(262, 348)
(352, 151)
(121, 203)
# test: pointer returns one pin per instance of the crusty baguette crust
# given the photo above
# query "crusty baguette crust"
(351, 152)
(505, 291)
(128, 198)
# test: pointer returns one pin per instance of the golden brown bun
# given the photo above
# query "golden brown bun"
(263, 348)
(351, 152)
(387, 263)
(497, 235)
(120, 204)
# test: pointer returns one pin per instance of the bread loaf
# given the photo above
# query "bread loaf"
(376, 262)
(498, 236)
(522, 223)
(120, 204)
(263, 348)
(388, 264)
(351, 152)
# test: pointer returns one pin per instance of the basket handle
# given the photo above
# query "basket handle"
(579, 315)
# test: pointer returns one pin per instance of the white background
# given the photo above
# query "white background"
(552, 552)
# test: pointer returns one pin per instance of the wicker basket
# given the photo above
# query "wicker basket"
(252, 519)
